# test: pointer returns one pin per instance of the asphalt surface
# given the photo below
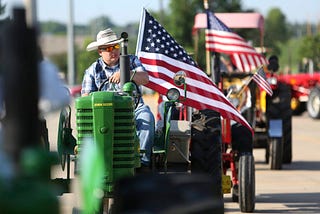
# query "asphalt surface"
(293, 189)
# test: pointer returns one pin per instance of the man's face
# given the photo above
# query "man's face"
(110, 53)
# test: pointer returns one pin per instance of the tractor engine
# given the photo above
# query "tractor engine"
(107, 119)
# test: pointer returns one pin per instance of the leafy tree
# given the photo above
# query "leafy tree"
(276, 30)
(310, 49)
(53, 27)
(99, 23)
(181, 21)
(84, 59)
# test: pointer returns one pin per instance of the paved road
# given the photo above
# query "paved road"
(294, 189)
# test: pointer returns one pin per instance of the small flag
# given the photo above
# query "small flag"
(260, 78)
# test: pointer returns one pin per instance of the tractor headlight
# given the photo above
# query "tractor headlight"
(272, 81)
(173, 94)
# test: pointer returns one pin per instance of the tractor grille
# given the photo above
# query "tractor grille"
(107, 118)
(124, 133)
(84, 124)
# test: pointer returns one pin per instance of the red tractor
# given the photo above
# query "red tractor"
(305, 92)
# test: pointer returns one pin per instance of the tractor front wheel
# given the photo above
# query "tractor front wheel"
(313, 104)
(276, 153)
(246, 183)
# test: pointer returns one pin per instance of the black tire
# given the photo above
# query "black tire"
(206, 146)
(235, 193)
(276, 153)
(287, 139)
(246, 177)
(242, 144)
(278, 107)
(166, 193)
(44, 136)
(313, 104)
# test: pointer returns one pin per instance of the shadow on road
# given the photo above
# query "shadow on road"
(295, 165)
(295, 202)
(303, 165)
(284, 203)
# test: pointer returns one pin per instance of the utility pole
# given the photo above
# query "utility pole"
(31, 13)
(71, 54)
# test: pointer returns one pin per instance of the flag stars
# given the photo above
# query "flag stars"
(159, 41)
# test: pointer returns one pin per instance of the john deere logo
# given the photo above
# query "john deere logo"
(102, 104)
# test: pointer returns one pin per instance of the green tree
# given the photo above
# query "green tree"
(84, 59)
(53, 27)
(276, 30)
(310, 49)
(100, 23)
(181, 21)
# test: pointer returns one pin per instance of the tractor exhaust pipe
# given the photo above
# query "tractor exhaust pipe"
(124, 60)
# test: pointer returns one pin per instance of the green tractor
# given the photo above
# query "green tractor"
(107, 152)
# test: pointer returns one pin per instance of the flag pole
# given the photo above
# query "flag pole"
(208, 61)
(248, 82)
(244, 86)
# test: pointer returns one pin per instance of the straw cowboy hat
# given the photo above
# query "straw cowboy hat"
(104, 37)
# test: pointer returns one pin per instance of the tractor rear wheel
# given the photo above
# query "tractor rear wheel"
(278, 107)
(206, 146)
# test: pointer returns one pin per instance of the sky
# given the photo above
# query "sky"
(122, 12)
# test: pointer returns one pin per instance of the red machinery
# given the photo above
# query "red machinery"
(305, 92)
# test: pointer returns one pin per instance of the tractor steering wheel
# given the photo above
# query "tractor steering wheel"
(103, 84)
(136, 94)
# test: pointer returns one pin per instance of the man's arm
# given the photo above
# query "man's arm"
(140, 77)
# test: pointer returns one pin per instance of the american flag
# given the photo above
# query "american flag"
(162, 57)
(220, 38)
(260, 78)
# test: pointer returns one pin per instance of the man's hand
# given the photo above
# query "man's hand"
(115, 78)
